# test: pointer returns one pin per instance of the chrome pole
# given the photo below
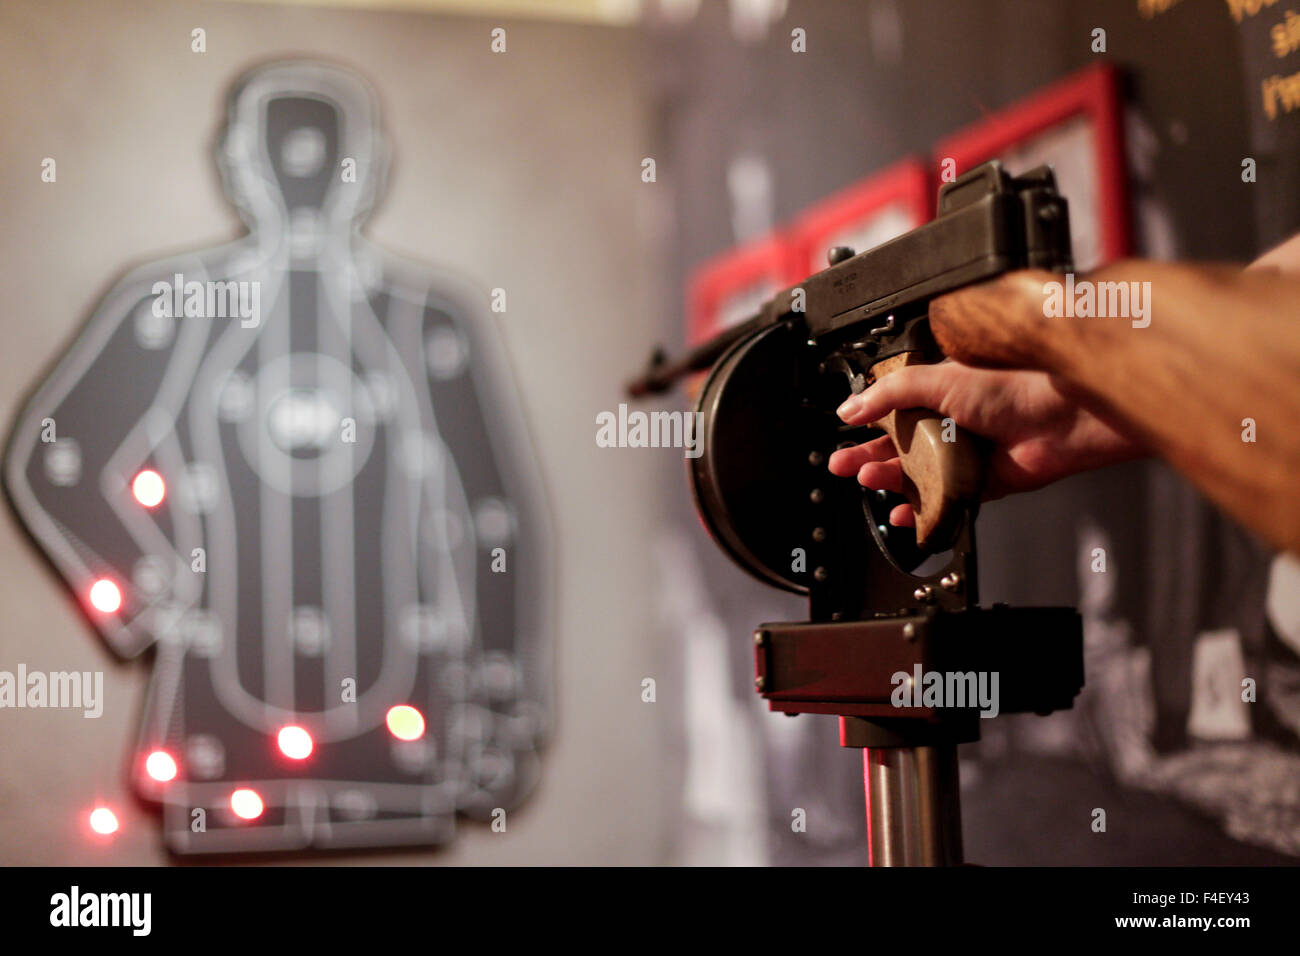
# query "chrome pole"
(913, 806)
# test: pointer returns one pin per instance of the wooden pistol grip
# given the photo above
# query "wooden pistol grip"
(941, 479)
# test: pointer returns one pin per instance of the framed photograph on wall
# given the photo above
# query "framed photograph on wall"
(1076, 126)
(731, 287)
(864, 215)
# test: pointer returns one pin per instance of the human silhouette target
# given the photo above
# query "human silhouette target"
(298, 462)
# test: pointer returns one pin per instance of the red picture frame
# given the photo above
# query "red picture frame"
(731, 286)
(1092, 94)
(722, 288)
(903, 192)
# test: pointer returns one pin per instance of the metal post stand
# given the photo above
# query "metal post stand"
(909, 759)
(913, 797)
(913, 806)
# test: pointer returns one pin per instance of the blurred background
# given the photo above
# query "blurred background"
(525, 170)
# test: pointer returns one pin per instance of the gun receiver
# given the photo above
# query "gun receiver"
(866, 316)
(988, 223)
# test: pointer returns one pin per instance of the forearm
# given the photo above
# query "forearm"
(1221, 350)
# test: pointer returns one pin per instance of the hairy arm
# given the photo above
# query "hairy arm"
(1212, 383)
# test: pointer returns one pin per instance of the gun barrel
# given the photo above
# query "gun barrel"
(662, 373)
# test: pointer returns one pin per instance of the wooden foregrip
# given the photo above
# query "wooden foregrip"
(941, 479)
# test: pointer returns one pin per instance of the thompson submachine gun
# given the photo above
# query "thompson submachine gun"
(889, 606)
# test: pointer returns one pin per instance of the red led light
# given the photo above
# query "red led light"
(103, 821)
(160, 766)
(148, 488)
(105, 596)
(295, 743)
(405, 722)
(246, 804)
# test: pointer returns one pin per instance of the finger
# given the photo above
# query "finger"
(913, 386)
(847, 461)
(902, 516)
(882, 475)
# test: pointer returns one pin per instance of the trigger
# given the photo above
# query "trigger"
(847, 365)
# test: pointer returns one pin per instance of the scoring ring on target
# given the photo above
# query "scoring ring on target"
(296, 441)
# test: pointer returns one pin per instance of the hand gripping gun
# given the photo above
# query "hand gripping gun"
(897, 643)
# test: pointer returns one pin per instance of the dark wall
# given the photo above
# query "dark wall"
(886, 79)
(846, 107)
